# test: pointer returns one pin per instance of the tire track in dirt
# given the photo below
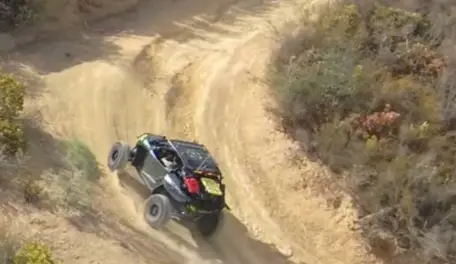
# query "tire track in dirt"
(229, 117)
(216, 105)
(101, 100)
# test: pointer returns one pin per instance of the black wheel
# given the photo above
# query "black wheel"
(208, 225)
(132, 154)
(118, 156)
(157, 210)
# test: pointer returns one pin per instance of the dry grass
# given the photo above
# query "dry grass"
(8, 247)
(373, 86)
(70, 189)
(74, 187)
(17, 251)
(71, 184)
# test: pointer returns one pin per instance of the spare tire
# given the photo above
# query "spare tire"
(157, 210)
(118, 156)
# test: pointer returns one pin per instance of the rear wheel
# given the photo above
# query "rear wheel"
(208, 225)
(118, 156)
(157, 210)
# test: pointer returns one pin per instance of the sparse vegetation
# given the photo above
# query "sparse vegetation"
(33, 190)
(73, 184)
(81, 158)
(33, 253)
(73, 187)
(14, 13)
(374, 87)
(14, 251)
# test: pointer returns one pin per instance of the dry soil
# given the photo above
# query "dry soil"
(191, 69)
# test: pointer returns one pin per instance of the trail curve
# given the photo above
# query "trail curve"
(174, 67)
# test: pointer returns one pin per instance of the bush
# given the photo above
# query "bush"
(14, 13)
(33, 191)
(11, 104)
(318, 86)
(33, 253)
(367, 86)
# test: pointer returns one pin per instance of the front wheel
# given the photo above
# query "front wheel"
(208, 225)
(118, 156)
(157, 210)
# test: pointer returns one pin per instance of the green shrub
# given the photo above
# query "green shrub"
(11, 104)
(339, 23)
(395, 22)
(319, 86)
(11, 97)
(33, 253)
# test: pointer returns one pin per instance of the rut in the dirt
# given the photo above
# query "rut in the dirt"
(91, 91)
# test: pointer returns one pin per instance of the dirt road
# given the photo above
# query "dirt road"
(185, 68)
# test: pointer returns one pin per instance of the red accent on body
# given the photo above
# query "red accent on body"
(192, 185)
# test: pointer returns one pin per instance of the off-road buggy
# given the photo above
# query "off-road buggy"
(184, 180)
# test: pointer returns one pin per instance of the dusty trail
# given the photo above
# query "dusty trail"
(97, 85)
(89, 90)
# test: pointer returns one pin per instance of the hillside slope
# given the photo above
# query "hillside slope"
(187, 69)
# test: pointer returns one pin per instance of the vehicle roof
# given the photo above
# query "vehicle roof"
(194, 155)
(186, 143)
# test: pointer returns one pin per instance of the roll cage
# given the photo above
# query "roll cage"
(192, 155)
(195, 156)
